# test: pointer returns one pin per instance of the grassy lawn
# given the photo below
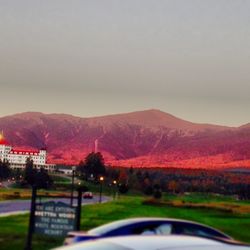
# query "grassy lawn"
(60, 179)
(133, 206)
(14, 228)
(13, 234)
(202, 197)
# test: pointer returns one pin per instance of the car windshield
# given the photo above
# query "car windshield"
(108, 227)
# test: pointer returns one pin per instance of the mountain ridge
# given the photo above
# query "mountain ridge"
(141, 138)
(147, 111)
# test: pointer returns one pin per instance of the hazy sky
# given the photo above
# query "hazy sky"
(190, 58)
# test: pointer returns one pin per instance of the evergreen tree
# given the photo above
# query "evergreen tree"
(93, 165)
(5, 170)
(81, 169)
(30, 172)
(42, 179)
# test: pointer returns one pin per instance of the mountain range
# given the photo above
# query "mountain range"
(150, 138)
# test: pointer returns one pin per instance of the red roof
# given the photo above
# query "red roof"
(24, 151)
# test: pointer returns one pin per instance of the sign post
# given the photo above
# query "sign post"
(31, 220)
(72, 185)
(78, 212)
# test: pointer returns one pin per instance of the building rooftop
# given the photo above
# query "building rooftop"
(24, 152)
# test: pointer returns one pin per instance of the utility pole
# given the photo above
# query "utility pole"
(72, 185)
(101, 179)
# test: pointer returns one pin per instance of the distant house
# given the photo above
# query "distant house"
(17, 157)
(67, 170)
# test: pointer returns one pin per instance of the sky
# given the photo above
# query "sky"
(189, 58)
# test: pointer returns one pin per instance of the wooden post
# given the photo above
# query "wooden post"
(72, 186)
(79, 206)
(31, 220)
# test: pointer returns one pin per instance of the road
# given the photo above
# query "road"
(23, 206)
(6, 184)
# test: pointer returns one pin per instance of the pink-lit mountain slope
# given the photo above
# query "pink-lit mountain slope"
(145, 138)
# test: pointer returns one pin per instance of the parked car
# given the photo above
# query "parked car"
(146, 226)
(155, 242)
(88, 195)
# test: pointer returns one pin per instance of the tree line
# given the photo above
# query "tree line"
(171, 180)
(30, 176)
(149, 181)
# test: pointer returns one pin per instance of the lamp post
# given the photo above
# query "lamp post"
(101, 179)
(114, 184)
(72, 185)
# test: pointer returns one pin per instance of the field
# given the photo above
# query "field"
(192, 207)
(18, 193)
(14, 192)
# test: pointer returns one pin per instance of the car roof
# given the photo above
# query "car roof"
(172, 242)
(156, 243)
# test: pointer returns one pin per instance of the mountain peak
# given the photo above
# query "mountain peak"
(147, 118)
(153, 118)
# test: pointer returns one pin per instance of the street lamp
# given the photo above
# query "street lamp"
(101, 179)
(72, 185)
(114, 184)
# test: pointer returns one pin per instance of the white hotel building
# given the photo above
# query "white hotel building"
(17, 157)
